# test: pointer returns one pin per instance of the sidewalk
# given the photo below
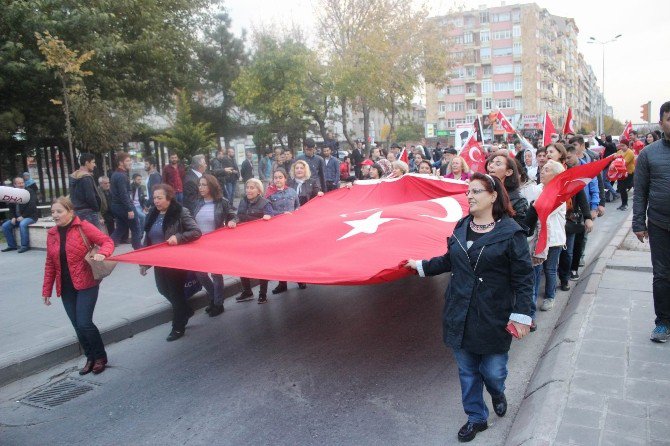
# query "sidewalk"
(36, 337)
(600, 380)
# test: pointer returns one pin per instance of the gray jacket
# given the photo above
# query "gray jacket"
(652, 186)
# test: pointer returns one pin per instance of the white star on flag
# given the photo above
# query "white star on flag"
(368, 225)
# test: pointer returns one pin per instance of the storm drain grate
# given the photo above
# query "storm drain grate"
(58, 393)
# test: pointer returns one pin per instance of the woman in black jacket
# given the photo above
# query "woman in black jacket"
(253, 206)
(506, 170)
(303, 183)
(489, 296)
(212, 212)
(168, 221)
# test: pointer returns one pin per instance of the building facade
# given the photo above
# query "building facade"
(519, 59)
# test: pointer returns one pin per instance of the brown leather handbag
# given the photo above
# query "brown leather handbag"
(100, 269)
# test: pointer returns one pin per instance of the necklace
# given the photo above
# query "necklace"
(477, 228)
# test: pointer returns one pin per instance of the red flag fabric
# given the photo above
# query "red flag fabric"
(626, 131)
(504, 123)
(564, 186)
(548, 129)
(473, 154)
(357, 235)
(617, 170)
(569, 126)
(404, 156)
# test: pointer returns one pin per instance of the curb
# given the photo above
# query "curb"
(67, 350)
(541, 409)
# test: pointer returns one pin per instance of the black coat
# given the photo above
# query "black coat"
(222, 212)
(191, 192)
(310, 188)
(489, 282)
(26, 210)
(177, 222)
(520, 206)
(250, 211)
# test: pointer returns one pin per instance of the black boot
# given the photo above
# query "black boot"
(469, 431)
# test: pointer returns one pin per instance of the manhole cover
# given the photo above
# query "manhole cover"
(58, 393)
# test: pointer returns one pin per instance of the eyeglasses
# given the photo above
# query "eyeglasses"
(474, 191)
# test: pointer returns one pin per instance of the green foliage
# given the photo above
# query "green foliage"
(409, 132)
(143, 50)
(219, 58)
(103, 125)
(275, 84)
(187, 137)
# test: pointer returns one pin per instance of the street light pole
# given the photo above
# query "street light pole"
(601, 123)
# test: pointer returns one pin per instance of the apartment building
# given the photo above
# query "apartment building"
(516, 58)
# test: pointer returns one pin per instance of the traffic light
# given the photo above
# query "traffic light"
(646, 111)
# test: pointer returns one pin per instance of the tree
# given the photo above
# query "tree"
(143, 50)
(274, 86)
(66, 64)
(220, 57)
(380, 52)
(409, 132)
(186, 136)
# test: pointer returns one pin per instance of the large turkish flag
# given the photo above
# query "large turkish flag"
(349, 236)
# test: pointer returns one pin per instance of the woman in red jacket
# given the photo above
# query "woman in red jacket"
(68, 269)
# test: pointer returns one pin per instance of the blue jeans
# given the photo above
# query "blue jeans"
(90, 216)
(79, 306)
(565, 261)
(476, 371)
(8, 229)
(549, 267)
(214, 286)
(140, 216)
(229, 191)
(122, 223)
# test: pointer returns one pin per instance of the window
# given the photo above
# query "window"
(516, 31)
(504, 103)
(504, 34)
(518, 105)
(455, 106)
(503, 86)
(459, 72)
(484, 36)
(517, 68)
(442, 107)
(470, 118)
(486, 86)
(517, 49)
(467, 38)
(451, 123)
(488, 104)
(502, 69)
(485, 53)
(471, 88)
(470, 72)
(441, 92)
(501, 52)
(456, 89)
(484, 17)
(516, 15)
(500, 17)
(518, 83)
(486, 70)
(472, 105)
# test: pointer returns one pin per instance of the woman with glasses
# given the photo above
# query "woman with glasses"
(488, 299)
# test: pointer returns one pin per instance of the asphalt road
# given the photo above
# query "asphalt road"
(325, 365)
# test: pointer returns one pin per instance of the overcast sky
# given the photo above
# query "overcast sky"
(637, 66)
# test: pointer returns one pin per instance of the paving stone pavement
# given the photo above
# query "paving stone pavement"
(619, 393)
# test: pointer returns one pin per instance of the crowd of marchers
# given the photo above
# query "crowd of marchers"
(496, 272)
